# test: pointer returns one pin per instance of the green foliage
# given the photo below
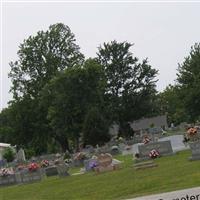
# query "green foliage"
(29, 152)
(55, 90)
(95, 130)
(189, 82)
(130, 89)
(41, 57)
(69, 96)
(6, 129)
(170, 103)
(9, 154)
(125, 130)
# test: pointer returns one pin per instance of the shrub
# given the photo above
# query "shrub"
(8, 154)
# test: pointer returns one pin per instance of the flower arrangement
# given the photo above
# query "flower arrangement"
(154, 154)
(146, 140)
(44, 163)
(192, 135)
(93, 164)
(6, 172)
(33, 167)
(192, 131)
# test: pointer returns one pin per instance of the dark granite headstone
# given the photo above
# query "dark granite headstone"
(51, 171)
(163, 147)
(195, 147)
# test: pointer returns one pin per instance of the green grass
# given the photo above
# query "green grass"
(173, 172)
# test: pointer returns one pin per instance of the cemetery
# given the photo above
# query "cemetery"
(172, 173)
(156, 164)
(92, 119)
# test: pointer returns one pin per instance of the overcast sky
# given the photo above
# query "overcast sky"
(163, 32)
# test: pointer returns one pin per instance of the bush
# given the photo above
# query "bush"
(9, 154)
(29, 153)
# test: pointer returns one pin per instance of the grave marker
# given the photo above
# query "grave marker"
(163, 147)
(195, 147)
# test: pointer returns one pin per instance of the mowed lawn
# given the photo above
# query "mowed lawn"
(173, 172)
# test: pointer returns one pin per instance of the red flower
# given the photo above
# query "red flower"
(33, 167)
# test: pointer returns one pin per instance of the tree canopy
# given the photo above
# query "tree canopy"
(70, 95)
(130, 87)
(189, 82)
(40, 57)
(59, 97)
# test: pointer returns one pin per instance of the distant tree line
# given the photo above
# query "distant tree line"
(60, 97)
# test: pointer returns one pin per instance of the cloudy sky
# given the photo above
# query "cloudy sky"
(163, 32)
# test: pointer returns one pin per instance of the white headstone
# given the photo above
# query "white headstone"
(21, 155)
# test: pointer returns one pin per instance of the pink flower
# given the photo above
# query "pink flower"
(154, 154)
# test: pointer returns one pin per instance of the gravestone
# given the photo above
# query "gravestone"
(51, 171)
(2, 163)
(21, 156)
(7, 180)
(195, 147)
(48, 157)
(163, 147)
(62, 170)
(104, 163)
(29, 177)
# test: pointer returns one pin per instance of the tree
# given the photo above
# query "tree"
(169, 103)
(95, 129)
(21, 125)
(130, 89)
(6, 129)
(69, 96)
(41, 57)
(189, 82)
(8, 154)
